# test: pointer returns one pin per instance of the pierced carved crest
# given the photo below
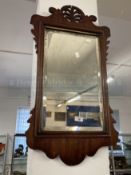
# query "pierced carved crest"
(72, 13)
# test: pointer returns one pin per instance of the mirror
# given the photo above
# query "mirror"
(72, 98)
(71, 117)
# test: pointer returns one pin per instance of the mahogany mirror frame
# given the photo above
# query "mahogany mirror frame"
(71, 147)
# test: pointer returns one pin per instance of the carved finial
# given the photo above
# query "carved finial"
(72, 13)
(93, 18)
(52, 9)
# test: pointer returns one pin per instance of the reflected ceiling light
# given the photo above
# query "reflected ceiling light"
(59, 105)
(74, 99)
(88, 40)
(69, 101)
(44, 98)
(45, 77)
(77, 55)
(75, 128)
(99, 74)
(110, 79)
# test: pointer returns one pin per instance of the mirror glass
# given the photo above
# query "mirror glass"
(72, 97)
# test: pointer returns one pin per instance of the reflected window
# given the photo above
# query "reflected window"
(21, 127)
(21, 121)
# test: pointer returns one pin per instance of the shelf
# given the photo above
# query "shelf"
(3, 152)
(19, 159)
(18, 172)
(120, 157)
(23, 164)
(123, 170)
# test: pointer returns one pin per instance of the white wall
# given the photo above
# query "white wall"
(38, 163)
(123, 104)
(15, 25)
(10, 100)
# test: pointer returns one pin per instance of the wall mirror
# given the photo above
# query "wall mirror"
(71, 117)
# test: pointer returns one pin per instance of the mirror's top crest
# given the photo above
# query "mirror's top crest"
(71, 15)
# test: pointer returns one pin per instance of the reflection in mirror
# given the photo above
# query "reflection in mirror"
(72, 97)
